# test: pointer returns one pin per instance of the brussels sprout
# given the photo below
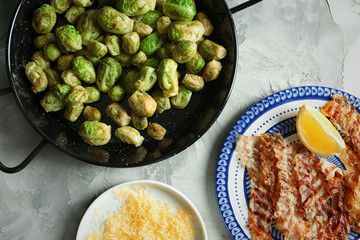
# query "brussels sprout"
(61, 91)
(52, 52)
(151, 62)
(118, 114)
(112, 42)
(159, 4)
(185, 30)
(76, 96)
(166, 51)
(114, 21)
(72, 113)
(84, 69)
(212, 51)
(183, 10)
(184, 51)
(109, 72)
(139, 58)
(89, 56)
(196, 64)
(142, 29)
(168, 77)
(116, 93)
(163, 24)
(205, 20)
(129, 135)
(42, 40)
(135, 7)
(182, 99)
(92, 114)
(39, 58)
(64, 62)
(52, 76)
(212, 70)
(97, 48)
(130, 43)
(152, 43)
(88, 26)
(193, 82)
(83, 3)
(142, 104)
(156, 131)
(150, 18)
(36, 76)
(61, 5)
(74, 13)
(69, 77)
(44, 19)
(93, 93)
(101, 39)
(95, 133)
(124, 59)
(51, 103)
(140, 123)
(69, 38)
(129, 81)
(163, 103)
(147, 79)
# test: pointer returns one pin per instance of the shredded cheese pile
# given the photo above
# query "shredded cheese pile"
(141, 217)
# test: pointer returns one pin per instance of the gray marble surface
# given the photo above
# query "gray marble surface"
(281, 44)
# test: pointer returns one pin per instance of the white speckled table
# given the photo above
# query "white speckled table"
(281, 44)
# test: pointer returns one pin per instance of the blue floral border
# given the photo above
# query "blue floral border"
(245, 121)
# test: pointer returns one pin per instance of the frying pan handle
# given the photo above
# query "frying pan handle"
(5, 91)
(243, 6)
(24, 163)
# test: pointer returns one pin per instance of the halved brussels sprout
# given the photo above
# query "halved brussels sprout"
(39, 58)
(193, 82)
(52, 103)
(76, 96)
(97, 48)
(64, 62)
(163, 24)
(83, 3)
(52, 52)
(129, 135)
(135, 7)
(69, 77)
(139, 122)
(113, 44)
(211, 50)
(168, 77)
(118, 114)
(147, 79)
(61, 5)
(94, 94)
(109, 72)
(92, 114)
(72, 113)
(130, 43)
(152, 43)
(114, 21)
(42, 40)
(196, 64)
(95, 133)
(69, 38)
(185, 30)
(36, 76)
(52, 76)
(150, 18)
(116, 93)
(139, 58)
(179, 9)
(184, 51)
(44, 19)
(61, 91)
(182, 99)
(212, 70)
(142, 29)
(129, 81)
(88, 26)
(74, 13)
(205, 20)
(156, 131)
(84, 69)
(163, 103)
(142, 104)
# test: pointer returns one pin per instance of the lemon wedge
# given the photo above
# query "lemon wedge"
(317, 133)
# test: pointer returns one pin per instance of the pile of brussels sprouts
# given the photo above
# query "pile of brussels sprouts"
(121, 48)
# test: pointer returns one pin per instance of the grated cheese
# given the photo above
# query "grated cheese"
(141, 217)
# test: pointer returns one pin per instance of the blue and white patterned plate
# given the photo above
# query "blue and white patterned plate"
(275, 113)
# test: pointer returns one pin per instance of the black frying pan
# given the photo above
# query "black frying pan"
(184, 127)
